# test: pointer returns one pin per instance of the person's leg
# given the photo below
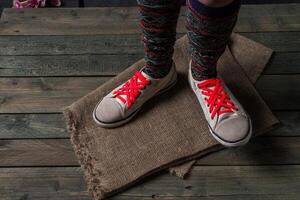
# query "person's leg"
(210, 24)
(158, 22)
(158, 19)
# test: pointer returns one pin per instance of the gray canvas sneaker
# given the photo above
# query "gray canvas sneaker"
(228, 122)
(121, 104)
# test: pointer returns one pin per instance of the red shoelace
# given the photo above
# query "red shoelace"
(132, 89)
(217, 100)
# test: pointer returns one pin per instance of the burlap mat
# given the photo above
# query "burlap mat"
(169, 130)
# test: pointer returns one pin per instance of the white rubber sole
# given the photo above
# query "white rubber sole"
(114, 124)
(127, 119)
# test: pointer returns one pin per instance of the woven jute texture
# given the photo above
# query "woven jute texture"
(170, 129)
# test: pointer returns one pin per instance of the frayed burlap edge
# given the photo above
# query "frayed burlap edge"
(84, 157)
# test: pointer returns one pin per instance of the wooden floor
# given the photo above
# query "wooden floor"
(51, 57)
(118, 3)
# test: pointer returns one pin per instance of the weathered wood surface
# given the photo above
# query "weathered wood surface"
(39, 75)
(34, 126)
(206, 183)
(252, 18)
(52, 94)
(46, 94)
(52, 56)
(109, 65)
(59, 152)
(43, 126)
(118, 44)
(49, 152)
(72, 65)
(281, 92)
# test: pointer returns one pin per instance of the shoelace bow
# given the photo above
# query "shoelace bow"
(216, 98)
(132, 89)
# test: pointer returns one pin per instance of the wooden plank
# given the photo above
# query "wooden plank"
(261, 151)
(52, 94)
(108, 65)
(49, 152)
(66, 65)
(59, 152)
(20, 126)
(61, 45)
(38, 126)
(262, 18)
(273, 87)
(124, 14)
(278, 41)
(227, 181)
(206, 183)
(284, 63)
(40, 95)
(290, 125)
(43, 183)
(119, 44)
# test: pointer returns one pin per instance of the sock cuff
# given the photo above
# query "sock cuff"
(218, 12)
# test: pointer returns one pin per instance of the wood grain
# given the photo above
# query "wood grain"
(271, 87)
(59, 152)
(52, 94)
(50, 152)
(284, 63)
(109, 65)
(206, 183)
(45, 94)
(43, 126)
(78, 21)
(118, 44)
(35, 126)
(67, 65)
(37, 161)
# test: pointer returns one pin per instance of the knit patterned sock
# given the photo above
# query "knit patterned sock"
(209, 30)
(158, 19)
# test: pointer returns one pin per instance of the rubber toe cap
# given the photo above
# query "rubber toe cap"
(234, 129)
(108, 111)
